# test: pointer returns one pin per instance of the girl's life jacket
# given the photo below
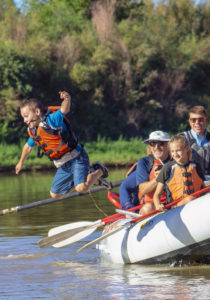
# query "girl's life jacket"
(183, 181)
(53, 142)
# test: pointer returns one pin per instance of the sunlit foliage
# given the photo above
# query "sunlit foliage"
(131, 66)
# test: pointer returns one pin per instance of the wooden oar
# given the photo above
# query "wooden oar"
(51, 200)
(131, 222)
(70, 233)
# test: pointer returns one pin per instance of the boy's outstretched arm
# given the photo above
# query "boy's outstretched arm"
(25, 153)
(66, 103)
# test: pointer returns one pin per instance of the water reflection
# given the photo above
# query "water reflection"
(59, 274)
(27, 188)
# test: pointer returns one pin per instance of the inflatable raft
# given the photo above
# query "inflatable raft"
(182, 233)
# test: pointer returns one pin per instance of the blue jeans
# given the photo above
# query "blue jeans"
(129, 192)
(72, 173)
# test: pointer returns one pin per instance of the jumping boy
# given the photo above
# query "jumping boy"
(50, 130)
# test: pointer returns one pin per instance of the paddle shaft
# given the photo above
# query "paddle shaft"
(109, 218)
(131, 222)
(16, 209)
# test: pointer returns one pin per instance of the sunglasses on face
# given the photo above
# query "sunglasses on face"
(200, 120)
(153, 144)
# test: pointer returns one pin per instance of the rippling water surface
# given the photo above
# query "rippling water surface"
(28, 272)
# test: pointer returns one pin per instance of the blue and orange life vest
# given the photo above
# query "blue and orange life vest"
(53, 142)
(183, 181)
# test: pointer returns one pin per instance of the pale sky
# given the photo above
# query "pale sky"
(20, 2)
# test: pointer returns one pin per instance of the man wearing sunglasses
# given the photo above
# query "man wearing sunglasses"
(148, 168)
(199, 138)
(142, 177)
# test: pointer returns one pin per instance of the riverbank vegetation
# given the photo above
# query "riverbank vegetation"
(120, 153)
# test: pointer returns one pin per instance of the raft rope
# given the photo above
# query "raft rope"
(96, 205)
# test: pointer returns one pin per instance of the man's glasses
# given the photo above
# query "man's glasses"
(200, 120)
(153, 144)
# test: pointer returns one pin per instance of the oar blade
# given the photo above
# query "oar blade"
(68, 226)
(67, 234)
(86, 230)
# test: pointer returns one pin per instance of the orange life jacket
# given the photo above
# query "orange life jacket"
(51, 141)
(149, 196)
(183, 181)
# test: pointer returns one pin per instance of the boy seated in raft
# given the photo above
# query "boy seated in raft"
(180, 177)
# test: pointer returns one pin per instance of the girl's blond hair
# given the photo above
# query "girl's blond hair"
(181, 138)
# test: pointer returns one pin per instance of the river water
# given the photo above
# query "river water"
(28, 272)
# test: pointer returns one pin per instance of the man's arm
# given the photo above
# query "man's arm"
(25, 153)
(147, 186)
(66, 103)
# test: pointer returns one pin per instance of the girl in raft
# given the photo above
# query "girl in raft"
(180, 177)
